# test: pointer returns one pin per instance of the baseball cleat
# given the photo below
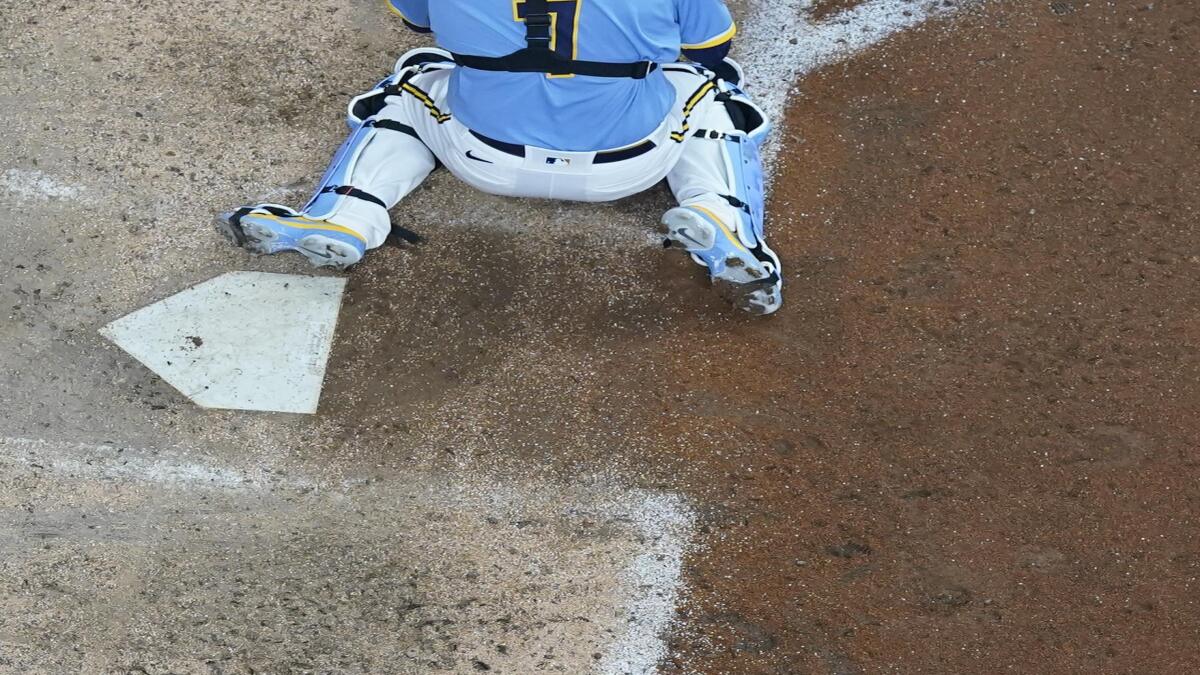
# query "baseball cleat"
(268, 228)
(741, 267)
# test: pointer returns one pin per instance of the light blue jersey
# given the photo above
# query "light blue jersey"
(573, 113)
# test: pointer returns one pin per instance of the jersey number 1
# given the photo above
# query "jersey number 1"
(564, 26)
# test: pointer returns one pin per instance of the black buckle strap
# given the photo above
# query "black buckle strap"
(399, 234)
(392, 125)
(537, 24)
(537, 57)
(351, 191)
(737, 203)
(605, 157)
(403, 234)
(540, 61)
(397, 88)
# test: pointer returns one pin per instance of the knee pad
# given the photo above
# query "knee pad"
(425, 56)
(747, 116)
(369, 104)
(361, 117)
(730, 71)
(412, 62)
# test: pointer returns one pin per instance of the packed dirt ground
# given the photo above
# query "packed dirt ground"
(968, 443)
(965, 443)
(963, 446)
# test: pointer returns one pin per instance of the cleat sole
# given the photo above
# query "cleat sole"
(750, 282)
(259, 240)
(759, 298)
(326, 252)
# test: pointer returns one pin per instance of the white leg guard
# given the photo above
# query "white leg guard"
(381, 162)
(719, 184)
(720, 169)
(377, 167)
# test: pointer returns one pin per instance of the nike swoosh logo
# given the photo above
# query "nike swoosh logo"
(683, 232)
(478, 159)
(319, 254)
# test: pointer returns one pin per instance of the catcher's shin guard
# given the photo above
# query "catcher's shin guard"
(746, 177)
(720, 221)
(354, 169)
(412, 62)
(725, 233)
(335, 186)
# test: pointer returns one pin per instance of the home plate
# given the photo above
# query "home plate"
(241, 341)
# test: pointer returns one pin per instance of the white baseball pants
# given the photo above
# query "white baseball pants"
(392, 165)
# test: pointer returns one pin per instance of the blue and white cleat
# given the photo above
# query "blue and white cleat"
(269, 228)
(744, 270)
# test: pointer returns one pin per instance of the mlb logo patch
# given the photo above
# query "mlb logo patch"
(553, 161)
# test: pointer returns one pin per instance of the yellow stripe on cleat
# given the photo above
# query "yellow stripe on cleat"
(309, 224)
(721, 39)
(732, 237)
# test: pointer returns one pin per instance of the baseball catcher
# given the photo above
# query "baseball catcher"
(585, 100)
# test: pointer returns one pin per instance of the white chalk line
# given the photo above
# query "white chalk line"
(783, 48)
(654, 583)
(109, 462)
(35, 185)
(663, 525)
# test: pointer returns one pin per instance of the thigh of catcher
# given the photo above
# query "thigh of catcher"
(425, 108)
(544, 174)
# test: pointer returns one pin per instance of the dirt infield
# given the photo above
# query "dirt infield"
(963, 446)
(967, 445)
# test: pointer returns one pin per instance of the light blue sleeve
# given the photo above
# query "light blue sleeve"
(414, 12)
(704, 24)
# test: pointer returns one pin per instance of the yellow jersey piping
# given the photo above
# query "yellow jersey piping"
(718, 40)
(397, 12)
